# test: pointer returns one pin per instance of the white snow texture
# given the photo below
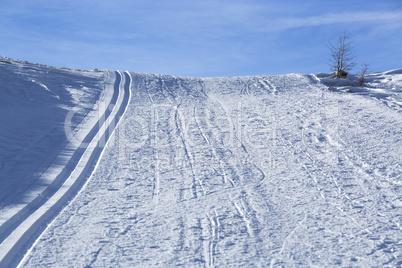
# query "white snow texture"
(123, 169)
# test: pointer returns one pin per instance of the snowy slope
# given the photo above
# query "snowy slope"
(34, 103)
(49, 117)
(241, 171)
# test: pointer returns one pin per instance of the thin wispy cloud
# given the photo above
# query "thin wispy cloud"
(342, 18)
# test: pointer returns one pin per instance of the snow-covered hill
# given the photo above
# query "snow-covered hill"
(34, 103)
(202, 172)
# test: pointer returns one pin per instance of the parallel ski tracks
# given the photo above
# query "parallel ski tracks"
(19, 232)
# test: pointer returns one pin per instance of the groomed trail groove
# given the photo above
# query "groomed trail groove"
(19, 232)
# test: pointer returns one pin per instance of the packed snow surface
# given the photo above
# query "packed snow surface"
(35, 102)
(291, 170)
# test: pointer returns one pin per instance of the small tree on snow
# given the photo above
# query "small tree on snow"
(362, 74)
(342, 56)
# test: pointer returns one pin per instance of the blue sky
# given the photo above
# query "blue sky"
(200, 38)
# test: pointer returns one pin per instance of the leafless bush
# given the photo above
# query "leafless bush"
(342, 56)
(362, 74)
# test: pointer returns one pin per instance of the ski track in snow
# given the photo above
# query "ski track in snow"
(267, 171)
(69, 156)
(19, 231)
